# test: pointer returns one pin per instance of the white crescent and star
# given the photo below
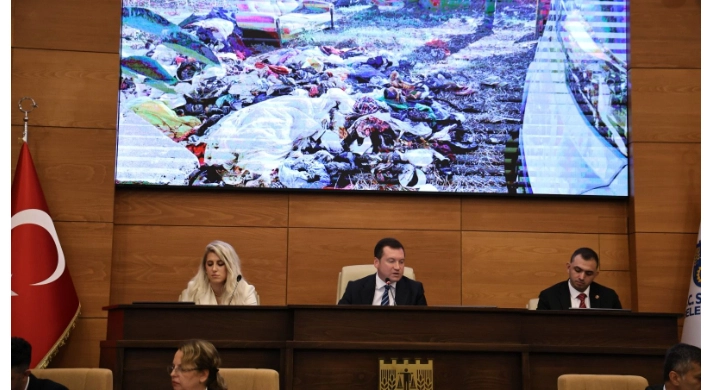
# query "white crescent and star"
(43, 220)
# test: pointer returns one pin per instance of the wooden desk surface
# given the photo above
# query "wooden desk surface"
(326, 347)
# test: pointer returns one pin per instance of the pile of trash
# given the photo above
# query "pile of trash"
(294, 117)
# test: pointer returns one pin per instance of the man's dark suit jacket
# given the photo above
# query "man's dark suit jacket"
(362, 292)
(655, 387)
(44, 384)
(557, 297)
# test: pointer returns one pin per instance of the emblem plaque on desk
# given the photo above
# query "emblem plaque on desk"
(407, 375)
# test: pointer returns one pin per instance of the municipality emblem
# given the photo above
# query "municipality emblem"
(406, 375)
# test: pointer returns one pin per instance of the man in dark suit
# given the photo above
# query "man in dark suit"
(681, 369)
(579, 291)
(20, 375)
(388, 286)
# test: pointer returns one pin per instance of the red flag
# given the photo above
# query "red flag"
(44, 302)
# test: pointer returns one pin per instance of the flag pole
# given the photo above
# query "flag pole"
(54, 298)
(26, 111)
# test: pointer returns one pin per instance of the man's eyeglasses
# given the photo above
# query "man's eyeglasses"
(178, 369)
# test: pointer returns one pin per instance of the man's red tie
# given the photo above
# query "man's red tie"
(581, 298)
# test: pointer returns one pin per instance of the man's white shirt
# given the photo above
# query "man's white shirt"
(573, 293)
(380, 291)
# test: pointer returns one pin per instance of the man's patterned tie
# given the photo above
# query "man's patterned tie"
(386, 296)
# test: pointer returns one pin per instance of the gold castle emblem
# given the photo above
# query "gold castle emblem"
(406, 375)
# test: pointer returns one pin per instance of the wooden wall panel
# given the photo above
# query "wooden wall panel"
(613, 252)
(82, 349)
(664, 263)
(664, 34)
(154, 263)
(72, 89)
(620, 281)
(666, 182)
(200, 208)
(633, 267)
(545, 215)
(665, 105)
(316, 256)
(508, 269)
(75, 168)
(15, 146)
(87, 249)
(375, 211)
(80, 25)
(665, 148)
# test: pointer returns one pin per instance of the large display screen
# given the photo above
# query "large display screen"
(506, 97)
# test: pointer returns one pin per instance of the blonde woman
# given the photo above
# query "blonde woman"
(196, 367)
(219, 279)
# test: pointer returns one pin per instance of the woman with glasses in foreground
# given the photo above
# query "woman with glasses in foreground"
(196, 367)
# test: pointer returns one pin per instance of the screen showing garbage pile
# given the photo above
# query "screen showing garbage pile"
(524, 97)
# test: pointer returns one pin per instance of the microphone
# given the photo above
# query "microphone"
(239, 278)
(387, 280)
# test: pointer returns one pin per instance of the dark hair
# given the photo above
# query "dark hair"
(679, 358)
(20, 354)
(388, 241)
(587, 254)
(204, 356)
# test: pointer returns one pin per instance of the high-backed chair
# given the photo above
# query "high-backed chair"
(355, 272)
(250, 378)
(601, 382)
(78, 378)
(532, 304)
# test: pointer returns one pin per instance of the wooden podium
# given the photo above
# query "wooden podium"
(339, 347)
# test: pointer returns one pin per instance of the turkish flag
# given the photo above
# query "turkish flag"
(44, 302)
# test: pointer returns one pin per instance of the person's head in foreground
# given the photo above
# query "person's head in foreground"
(681, 370)
(196, 367)
(20, 356)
